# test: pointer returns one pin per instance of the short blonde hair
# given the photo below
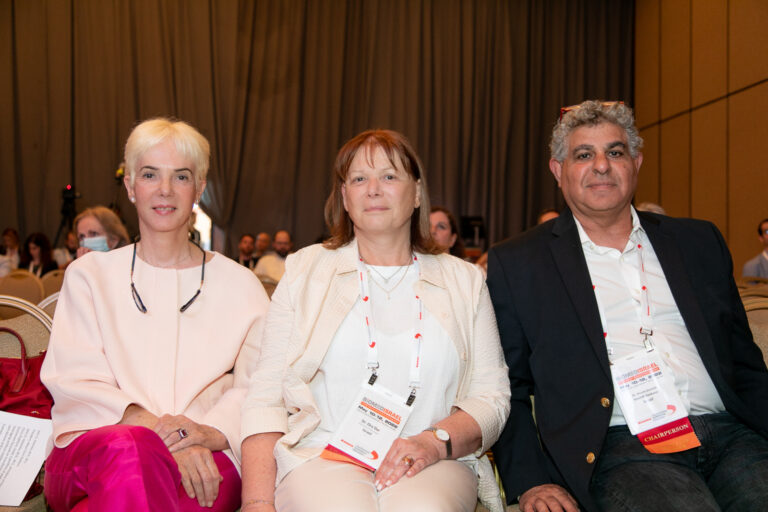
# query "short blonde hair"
(188, 141)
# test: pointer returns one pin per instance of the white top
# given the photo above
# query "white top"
(616, 275)
(104, 354)
(344, 369)
(270, 265)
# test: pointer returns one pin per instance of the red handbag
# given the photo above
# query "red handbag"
(21, 391)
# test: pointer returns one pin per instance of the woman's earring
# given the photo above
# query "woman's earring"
(132, 199)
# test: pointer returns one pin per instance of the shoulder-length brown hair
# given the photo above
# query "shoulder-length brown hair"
(400, 154)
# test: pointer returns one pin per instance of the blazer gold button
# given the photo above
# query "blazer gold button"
(605, 402)
(590, 458)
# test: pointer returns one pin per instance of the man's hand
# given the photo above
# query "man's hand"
(547, 498)
(199, 474)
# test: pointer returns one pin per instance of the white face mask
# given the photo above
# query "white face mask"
(95, 243)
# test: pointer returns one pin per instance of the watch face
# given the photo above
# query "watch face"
(442, 435)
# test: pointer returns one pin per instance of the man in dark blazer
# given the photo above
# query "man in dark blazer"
(541, 284)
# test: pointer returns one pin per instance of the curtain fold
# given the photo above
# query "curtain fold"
(277, 86)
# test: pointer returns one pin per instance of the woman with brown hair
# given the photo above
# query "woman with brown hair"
(381, 379)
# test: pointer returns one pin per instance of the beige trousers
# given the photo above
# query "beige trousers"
(322, 485)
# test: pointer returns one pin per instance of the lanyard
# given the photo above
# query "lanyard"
(414, 377)
(646, 315)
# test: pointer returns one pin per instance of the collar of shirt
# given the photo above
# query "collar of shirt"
(635, 236)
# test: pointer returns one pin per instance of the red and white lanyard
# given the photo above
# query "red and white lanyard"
(414, 377)
(646, 315)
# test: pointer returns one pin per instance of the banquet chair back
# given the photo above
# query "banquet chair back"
(52, 281)
(48, 304)
(757, 313)
(21, 284)
(269, 285)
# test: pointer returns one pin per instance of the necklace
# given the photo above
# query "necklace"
(386, 279)
(388, 292)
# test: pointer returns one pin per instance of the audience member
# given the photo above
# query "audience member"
(37, 256)
(99, 229)
(445, 231)
(343, 308)
(272, 265)
(67, 254)
(545, 215)
(647, 206)
(11, 249)
(245, 251)
(586, 305)
(263, 242)
(758, 266)
(148, 381)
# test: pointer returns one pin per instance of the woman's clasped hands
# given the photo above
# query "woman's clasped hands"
(407, 457)
(191, 445)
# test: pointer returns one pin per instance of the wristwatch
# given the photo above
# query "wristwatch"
(444, 436)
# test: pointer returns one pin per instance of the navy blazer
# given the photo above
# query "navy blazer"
(553, 343)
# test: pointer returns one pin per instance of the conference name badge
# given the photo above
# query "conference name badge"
(652, 407)
(369, 428)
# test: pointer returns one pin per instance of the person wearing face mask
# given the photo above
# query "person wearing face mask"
(148, 379)
(99, 229)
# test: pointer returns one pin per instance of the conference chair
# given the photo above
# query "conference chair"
(21, 284)
(34, 326)
(52, 281)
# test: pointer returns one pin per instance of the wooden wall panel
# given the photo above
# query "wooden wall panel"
(648, 180)
(675, 56)
(709, 184)
(748, 171)
(709, 44)
(748, 59)
(647, 62)
(675, 166)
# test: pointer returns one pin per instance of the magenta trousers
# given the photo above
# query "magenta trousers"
(125, 467)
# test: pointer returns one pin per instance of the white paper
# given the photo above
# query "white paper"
(24, 443)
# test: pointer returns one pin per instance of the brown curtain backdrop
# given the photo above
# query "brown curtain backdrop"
(278, 86)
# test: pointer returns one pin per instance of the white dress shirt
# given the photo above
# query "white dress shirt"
(617, 279)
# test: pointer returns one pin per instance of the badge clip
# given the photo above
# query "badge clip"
(647, 342)
(411, 397)
(373, 378)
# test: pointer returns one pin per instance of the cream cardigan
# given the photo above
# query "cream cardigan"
(105, 355)
(317, 291)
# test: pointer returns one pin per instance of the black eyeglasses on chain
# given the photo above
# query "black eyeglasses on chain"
(137, 298)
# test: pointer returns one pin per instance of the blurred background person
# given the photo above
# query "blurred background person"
(445, 231)
(272, 265)
(148, 381)
(37, 256)
(99, 229)
(263, 243)
(67, 254)
(10, 248)
(379, 310)
(648, 206)
(245, 249)
(758, 266)
(545, 215)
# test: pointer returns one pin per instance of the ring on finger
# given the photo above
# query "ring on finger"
(408, 461)
(183, 434)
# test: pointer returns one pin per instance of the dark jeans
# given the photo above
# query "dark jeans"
(728, 472)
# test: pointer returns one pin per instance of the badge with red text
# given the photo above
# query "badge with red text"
(369, 428)
(652, 407)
